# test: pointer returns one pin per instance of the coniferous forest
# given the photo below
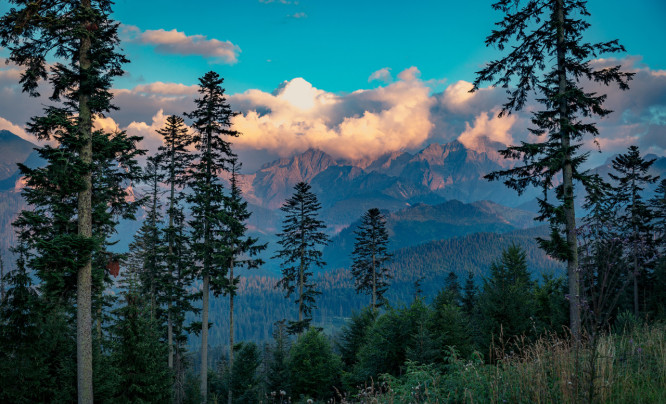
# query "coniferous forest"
(213, 301)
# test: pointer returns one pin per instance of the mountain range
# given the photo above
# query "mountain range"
(436, 193)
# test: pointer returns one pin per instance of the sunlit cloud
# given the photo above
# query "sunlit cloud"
(383, 74)
(488, 128)
(178, 43)
(159, 87)
(365, 123)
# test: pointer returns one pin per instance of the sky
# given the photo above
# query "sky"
(354, 78)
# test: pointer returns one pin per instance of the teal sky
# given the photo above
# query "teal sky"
(336, 45)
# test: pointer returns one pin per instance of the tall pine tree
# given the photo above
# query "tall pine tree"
(300, 241)
(240, 252)
(212, 122)
(83, 38)
(549, 57)
(174, 158)
(631, 177)
(370, 256)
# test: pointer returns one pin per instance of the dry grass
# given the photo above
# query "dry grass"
(624, 368)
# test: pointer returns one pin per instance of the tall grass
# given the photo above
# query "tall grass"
(625, 367)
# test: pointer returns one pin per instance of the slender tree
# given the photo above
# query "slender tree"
(83, 39)
(301, 239)
(211, 121)
(148, 241)
(549, 57)
(175, 158)
(370, 256)
(631, 177)
(240, 252)
(602, 259)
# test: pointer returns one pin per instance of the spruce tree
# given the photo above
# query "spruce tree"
(549, 57)
(240, 252)
(212, 122)
(148, 241)
(506, 303)
(370, 256)
(143, 376)
(602, 259)
(175, 158)
(83, 39)
(631, 177)
(301, 239)
(657, 280)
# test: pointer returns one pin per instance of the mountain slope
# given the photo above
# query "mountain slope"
(14, 150)
(423, 223)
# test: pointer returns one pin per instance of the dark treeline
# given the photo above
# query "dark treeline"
(80, 323)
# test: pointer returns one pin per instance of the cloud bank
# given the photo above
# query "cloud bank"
(365, 123)
(404, 114)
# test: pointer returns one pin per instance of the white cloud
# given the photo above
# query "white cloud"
(161, 88)
(178, 43)
(383, 74)
(365, 123)
(488, 127)
(410, 74)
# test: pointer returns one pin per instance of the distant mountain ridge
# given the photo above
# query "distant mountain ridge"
(436, 193)
(14, 150)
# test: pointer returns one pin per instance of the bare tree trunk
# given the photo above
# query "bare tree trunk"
(204, 340)
(170, 263)
(300, 274)
(567, 182)
(231, 330)
(84, 366)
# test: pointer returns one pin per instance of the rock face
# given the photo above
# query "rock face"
(274, 182)
(393, 180)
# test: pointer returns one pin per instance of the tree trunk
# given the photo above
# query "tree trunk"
(204, 340)
(300, 273)
(84, 366)
(170, 263)
(206, 272)
(231, 330)
(567, 182)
